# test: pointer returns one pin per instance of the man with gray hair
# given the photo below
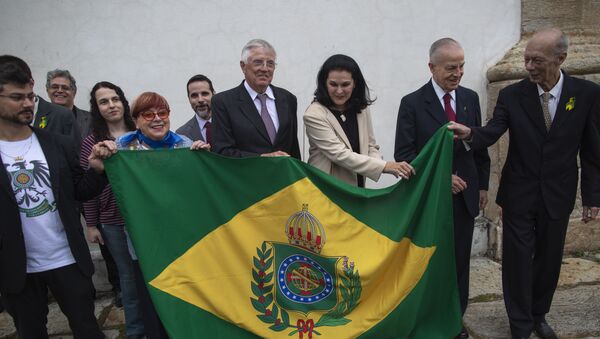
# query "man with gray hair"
(421, 114)
(256, 118)
(62, 88)
(552, 119)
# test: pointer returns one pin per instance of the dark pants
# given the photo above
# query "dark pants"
(463, 238)
(111, 268)
(74, 293)
(532, 255)
(152, 325)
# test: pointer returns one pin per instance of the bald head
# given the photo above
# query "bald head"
(544, 54)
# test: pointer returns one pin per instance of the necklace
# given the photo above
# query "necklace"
(20, 157)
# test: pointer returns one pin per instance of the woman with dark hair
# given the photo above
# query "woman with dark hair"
(110, 120)
(339, 129)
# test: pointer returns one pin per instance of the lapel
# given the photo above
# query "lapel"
(5, 185)
(462, 116)
(195, 132)
(282, 114)
(566, 93)
(530, 101)
(248, 109)
(51, 154)
(433, 106)
(338, 128)
(363, 133)
(44, 110)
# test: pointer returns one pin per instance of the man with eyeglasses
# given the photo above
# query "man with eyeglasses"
(42, 245)
(62, 88)
(200, 91)
(256, 118)
(48, 116)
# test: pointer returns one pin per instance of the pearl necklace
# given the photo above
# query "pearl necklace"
(20, 157)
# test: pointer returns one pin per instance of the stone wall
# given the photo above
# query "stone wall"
(579, 20)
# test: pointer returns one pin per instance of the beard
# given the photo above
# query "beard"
(24, 117)
(204, 114)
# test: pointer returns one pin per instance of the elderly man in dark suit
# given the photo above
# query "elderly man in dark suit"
(62, 88)
(256, 118)
(200, 91)
(421, 114)
(551, 118)
(43, 246)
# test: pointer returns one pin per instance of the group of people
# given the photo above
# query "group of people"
(551, 117)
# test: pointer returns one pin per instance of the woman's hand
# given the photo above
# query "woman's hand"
(100, 151)
(200, 145)
(399, 169)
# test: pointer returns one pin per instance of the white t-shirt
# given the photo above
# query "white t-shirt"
(46, 245)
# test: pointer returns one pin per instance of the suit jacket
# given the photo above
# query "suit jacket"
(330, 149)
(69, 183)
(542, 165)
(57, 119)
(238, 130)
(421, 114)
(83, 120)
(191, 129)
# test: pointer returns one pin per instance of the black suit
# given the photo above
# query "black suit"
(57, 119)
(238, 130)
(69, 183)
(538, 187)
(420, 116)
(83, 120)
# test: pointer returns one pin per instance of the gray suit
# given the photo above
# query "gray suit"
(191, 129)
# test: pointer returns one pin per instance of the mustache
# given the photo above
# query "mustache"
(26, 111)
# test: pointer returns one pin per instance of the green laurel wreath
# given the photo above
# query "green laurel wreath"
(262, 289)
(350, 290)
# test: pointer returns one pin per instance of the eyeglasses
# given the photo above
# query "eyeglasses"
(259, 63)
(149, 115)
(16, 97)
(62, 87)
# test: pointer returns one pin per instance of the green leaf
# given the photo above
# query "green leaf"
(264, 246)
(260, 253)
(268, 252)
(268, 263)
(268, 277)
(266, 318)
(278, 328)
(275, 311)
(332, 322)
(258, 306)
(268, 298)
(255, 276)
(285, 318)
(257, 292)
(257, 264)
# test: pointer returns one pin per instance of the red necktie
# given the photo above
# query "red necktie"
(448, 107)
(208, 135)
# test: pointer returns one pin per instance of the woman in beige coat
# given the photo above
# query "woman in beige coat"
(339, 129)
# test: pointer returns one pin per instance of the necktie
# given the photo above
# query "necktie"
(207, 130)
(547, 118)
(448, 107)
(266, 118)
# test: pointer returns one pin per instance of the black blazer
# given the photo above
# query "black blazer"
(58, 120)
(69, 183)
(540, 164)
(191, 129)
(238, 130)
(421, 115)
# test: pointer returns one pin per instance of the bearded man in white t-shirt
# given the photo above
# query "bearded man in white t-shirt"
(42, 245)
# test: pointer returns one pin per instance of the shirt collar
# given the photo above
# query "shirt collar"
(555, 91)
(253, 93)
(201, 122)
(440, 92)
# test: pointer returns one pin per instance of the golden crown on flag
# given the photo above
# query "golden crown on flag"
(304, 230)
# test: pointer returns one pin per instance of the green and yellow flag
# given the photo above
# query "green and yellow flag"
(274, 248)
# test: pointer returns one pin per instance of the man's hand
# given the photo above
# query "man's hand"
(483, 199)
(94, 235)
(460, 131)
(458, 185)
(275, 154)
(200, 145)
(100, 151)
(399, 169)
(589, 213)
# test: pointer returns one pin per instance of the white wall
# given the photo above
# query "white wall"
(157, 45)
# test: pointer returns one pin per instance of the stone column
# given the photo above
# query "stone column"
(580, 20)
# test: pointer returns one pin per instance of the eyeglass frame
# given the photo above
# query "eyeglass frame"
(164, 112)
(19, 97)
(270, 64)
(61, 87)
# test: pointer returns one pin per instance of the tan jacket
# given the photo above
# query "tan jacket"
(330, 148)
